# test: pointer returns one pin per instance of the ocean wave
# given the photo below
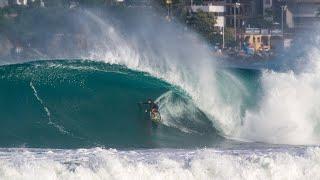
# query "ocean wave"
(97, 163)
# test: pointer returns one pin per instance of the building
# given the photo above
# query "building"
(229, 12)
(3, 3)
(26, 2)
(269, 9)
(137, 3)
(238, 12)
(260, 40)
(302, 15)
(218, 8)
(18, 2)
(257, 8)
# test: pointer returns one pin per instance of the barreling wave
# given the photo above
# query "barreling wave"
(78, 103)
(278, 107)
(262, 106)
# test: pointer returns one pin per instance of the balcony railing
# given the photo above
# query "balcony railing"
(260, 31)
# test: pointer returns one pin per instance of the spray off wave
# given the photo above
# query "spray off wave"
(153, 49)
(280, 112)
(287, 111)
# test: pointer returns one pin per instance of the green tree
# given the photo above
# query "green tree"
(318, 12)
(229, 37)
(203, 23)
(269, 14)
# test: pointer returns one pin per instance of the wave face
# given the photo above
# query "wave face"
(278, 107)
(66, 104)
(79, 103)
(266, 106)
(87, 104)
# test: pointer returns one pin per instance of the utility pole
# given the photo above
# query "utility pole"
(283, 8)
(236, 6)
(235, 23)
(223, 40)
(169, 2)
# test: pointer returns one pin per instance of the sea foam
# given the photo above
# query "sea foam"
(168, 164)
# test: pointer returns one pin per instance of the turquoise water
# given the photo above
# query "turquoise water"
(81, 119)
(78, 119)
(72, 104)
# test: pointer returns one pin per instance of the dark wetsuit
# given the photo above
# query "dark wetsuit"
(154, 111)
(153, 106)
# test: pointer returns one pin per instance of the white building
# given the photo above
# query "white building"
(218, 10)
(18, 2)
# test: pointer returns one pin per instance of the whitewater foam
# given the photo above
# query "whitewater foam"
(97, 163)
(288, 111)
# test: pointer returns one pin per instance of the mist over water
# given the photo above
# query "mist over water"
(283, 108)
(286, 110)
(83, 88)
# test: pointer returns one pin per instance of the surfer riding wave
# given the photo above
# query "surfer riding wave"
(154, 110)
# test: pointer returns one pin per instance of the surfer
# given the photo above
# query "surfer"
(154, 110)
